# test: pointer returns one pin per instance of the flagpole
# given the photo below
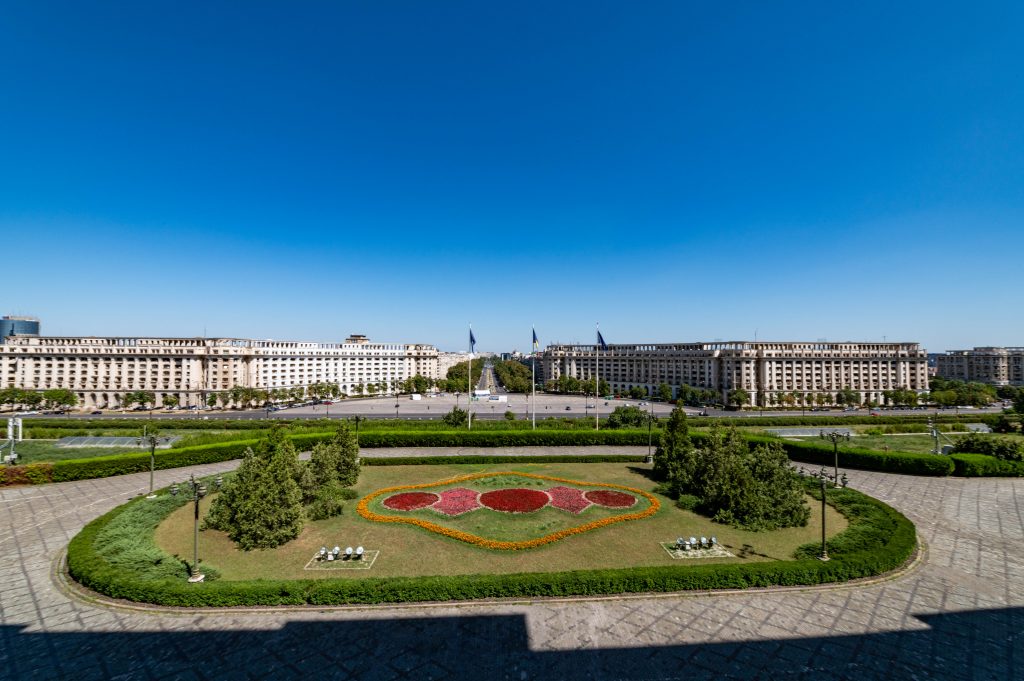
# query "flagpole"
(597, 377)
(469, 384)
(533, 371)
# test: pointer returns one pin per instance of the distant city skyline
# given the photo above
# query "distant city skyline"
(411, 337)
(677, 172)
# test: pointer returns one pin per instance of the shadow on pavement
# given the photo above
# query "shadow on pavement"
(979, 644)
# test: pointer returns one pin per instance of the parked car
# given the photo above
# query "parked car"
(96, 413)
(568, 408)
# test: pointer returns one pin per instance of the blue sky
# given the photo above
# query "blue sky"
(678, 171)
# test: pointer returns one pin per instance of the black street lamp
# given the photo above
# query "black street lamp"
(152, 440)
(835, 436)
(824, 477)
(196, 490)
(650, 425)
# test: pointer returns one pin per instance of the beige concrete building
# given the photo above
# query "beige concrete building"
(996, 366)
(762, 369)
(99, 370)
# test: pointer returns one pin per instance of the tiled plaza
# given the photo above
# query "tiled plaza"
(958, 615)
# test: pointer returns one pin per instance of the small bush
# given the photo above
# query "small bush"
(328, 502)
(1000, 448)
(687, 502)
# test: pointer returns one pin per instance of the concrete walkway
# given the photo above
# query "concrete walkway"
(958, 616)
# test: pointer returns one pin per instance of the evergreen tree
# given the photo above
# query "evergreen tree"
(675, 458)
(262, 506)
(348, 456)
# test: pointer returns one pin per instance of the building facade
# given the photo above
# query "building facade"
(12, 325)
(996, 366)
(100, 370)
(764, 370)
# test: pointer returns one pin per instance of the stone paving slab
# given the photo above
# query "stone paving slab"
(958, 616)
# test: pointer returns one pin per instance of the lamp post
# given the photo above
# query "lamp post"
(835, 436)
(152, 440)
(650, 425)
(823, 478)
(196, 490)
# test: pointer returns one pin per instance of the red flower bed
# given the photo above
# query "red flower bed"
(515, 500)
(410, 501)
(457, 501)
(568, 499)
(610, 498)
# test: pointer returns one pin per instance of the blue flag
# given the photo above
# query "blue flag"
(600, 341)
(536, 343)
(472, 341)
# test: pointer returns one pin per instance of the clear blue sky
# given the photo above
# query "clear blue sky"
(678, 171)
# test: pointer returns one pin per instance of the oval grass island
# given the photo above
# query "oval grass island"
(416, 547)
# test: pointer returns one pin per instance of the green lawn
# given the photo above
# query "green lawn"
(47, 451)
(921, 443)
(407, 551)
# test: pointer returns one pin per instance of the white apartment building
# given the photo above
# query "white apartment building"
(98, 370)
(996, 366)
(759, 368)
(446, 360)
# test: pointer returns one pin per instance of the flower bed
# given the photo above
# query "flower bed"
(515, 500)
(363, 508)
(457, 501)
(410, 501)
(610, 498)
(568, 499)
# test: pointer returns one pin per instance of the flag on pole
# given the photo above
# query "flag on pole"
(472, 341)
(600, 341)
(536, 343)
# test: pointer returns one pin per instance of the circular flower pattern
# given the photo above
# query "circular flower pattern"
(363, 508)
(610, 498)
(410, 501)
(515, 500)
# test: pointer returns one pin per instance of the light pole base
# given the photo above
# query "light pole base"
(151, 496)
(823, 559)
(197, 578)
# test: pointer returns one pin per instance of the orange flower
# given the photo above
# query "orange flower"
(363, 508)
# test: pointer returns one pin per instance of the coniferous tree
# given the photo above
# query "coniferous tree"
(675, 458)
(262, 506)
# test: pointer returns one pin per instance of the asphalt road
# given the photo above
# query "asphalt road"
(567, 406)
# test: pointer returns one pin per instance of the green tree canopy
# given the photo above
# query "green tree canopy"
(262, 506)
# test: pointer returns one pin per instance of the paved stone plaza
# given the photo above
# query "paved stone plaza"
(958, 615)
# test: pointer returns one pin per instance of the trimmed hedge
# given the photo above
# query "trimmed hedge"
(907, 463)
(462, 459)
(894, 540)
(508, 438)
(982, 465)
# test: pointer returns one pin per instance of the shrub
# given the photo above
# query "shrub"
(456, 417)
(687, 502)
(627, 417)
(1000, 448)
(980, 465)
(328, 502)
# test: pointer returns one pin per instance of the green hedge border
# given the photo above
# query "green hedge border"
(907, 463)
(86, 567)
